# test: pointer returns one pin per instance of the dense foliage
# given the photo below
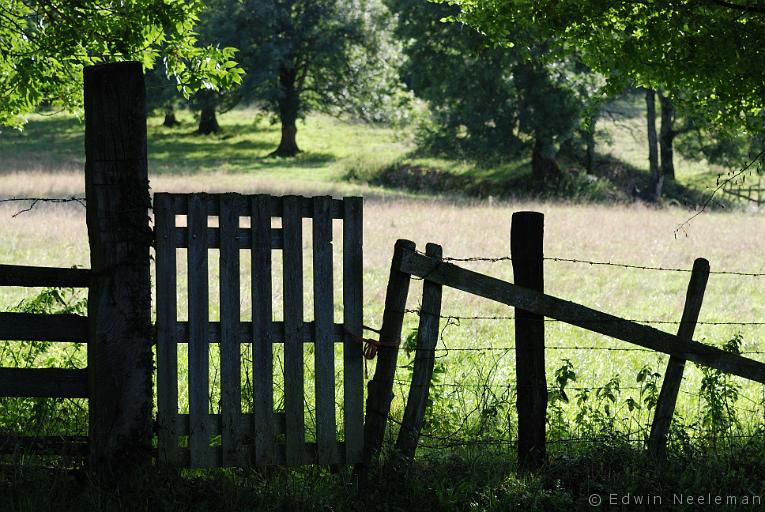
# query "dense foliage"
(302, 55)
(712, 54)
(491, 100)
(44, 46)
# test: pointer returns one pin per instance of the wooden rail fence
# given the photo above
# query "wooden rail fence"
(532, 306)
(118, 378)
(43, 382)
(753, 192)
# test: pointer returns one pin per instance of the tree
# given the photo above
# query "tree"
(657, 178)
(162, 96)
(485, 99)
(709, 51)
(300, 54)
(46, 44)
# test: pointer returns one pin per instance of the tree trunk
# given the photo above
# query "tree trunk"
(657, 180)
(289, 105)
(208, 123)
(170, 120)
(667, 138)
(543, 164)
(589, 140)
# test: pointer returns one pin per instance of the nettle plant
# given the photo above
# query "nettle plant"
(48, 416)
(720, 393)
(599, 411)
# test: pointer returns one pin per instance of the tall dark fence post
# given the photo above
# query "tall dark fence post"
(119, 302)
(526, 236)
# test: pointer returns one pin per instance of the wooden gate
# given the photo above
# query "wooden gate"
(265, 436)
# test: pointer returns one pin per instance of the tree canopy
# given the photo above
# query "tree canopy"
(710, 53)
(44, 46)
(302, 55)
(491, 100)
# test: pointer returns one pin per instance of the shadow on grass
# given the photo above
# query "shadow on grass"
(612, 180)
(484, 478)
(238, 147)
(52, 142)
(56, 142)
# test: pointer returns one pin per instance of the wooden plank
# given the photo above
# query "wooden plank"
(380, 388)
(665, 407)
(324, 348)
(245, 332)
(262, 333)
(230, 354)
(526, 247)
(575, 314)
(198, 307)
(43, 382)
(167, 350)
(66, 446)
(244, 237)
(276, 209)
(65, 328)
(353, 319)
(245, 421)
(424, 361)
(44, 277)
(294, 391)
(308, 455)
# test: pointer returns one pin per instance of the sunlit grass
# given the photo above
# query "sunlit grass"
(56, 235)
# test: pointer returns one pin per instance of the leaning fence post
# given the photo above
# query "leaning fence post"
(424, 360)
(665, 407)
(526, 241)
(380, 388)
(119, 301)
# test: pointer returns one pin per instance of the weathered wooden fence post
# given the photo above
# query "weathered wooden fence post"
(119, 301)
(424, 361)
(380, 388)
(665, 407)
(526, 247)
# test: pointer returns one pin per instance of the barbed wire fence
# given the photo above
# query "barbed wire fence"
(470, 429)
(465, 433)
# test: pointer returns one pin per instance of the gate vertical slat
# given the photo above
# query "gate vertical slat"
(198, 296)
(353, 365)
(324, 346)
(294, 392)
(230, 354)
(167, 352)
(262, 342)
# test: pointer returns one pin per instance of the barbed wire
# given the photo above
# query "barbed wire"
(571, 440)
(34, 201)
(496, 259)
(551, 347)
(459, 318)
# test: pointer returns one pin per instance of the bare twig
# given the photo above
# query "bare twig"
(720, 185)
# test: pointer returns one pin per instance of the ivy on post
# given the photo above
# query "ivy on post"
(119, 301)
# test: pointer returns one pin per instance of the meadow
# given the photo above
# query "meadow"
(473, 396)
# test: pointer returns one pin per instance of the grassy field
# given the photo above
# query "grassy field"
(46, 160)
